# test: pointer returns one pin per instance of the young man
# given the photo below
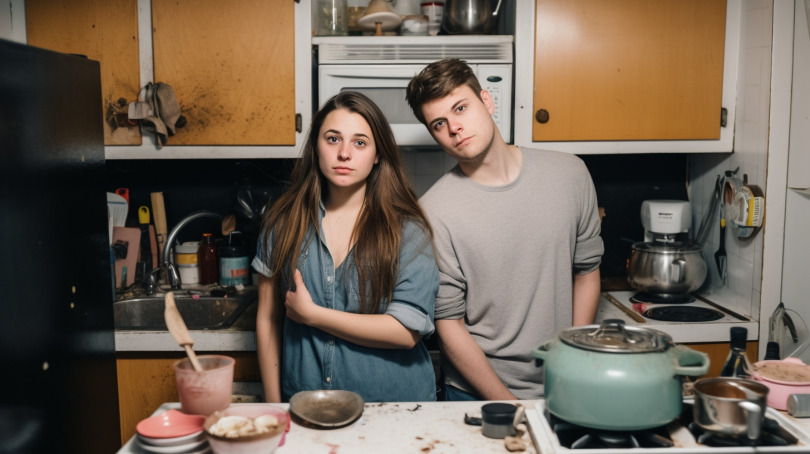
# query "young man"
(516, 236)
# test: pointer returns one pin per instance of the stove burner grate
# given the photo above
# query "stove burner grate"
(658, 298)
(683, 314)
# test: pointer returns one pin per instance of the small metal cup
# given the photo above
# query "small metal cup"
(730, 406)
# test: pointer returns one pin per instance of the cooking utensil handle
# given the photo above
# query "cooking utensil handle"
(685, 354)
(541, 352)
(754, 422)
(497, 8)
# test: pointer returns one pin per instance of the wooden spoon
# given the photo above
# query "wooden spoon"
(228, 224)
(179, 331)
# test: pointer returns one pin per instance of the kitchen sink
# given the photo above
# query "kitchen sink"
(206, 312)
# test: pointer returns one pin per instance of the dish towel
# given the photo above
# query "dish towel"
(158, 111)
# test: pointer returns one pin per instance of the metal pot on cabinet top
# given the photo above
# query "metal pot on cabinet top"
(469, 17)
(616, 377)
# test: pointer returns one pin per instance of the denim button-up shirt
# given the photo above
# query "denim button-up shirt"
(313, 359)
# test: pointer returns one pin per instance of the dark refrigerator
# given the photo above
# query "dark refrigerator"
(58, 385)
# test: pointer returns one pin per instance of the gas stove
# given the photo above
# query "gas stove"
(554, 436)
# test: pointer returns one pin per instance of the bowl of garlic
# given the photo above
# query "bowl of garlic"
(247, 428)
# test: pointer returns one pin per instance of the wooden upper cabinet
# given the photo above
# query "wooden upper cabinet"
(624, 70)
(232, 67)
(102, 30)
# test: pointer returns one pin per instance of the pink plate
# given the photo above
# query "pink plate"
(171, 424)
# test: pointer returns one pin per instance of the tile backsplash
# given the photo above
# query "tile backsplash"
(741, 290)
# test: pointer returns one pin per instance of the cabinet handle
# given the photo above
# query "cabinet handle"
(541, 116)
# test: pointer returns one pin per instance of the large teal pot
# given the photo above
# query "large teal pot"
(618, 387)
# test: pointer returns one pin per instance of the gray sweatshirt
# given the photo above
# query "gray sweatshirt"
(507, 256)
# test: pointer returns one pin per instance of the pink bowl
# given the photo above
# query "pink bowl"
(171, 424)
(265, 443)
(780, 390)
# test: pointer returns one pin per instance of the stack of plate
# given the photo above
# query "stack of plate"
(173, 432)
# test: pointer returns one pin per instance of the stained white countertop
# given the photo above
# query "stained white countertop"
(425, 427)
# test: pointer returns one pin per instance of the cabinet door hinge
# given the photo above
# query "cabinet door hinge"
(299, 120)
(723, 117)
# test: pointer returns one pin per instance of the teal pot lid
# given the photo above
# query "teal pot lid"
(612, 336)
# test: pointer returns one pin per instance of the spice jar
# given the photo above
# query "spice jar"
(207, 260)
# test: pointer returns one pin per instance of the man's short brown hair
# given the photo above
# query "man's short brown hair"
(436, 81)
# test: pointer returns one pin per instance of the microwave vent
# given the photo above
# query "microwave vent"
(406, 49)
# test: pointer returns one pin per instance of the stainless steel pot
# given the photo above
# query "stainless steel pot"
(666, 269)
(730, 406)
(469, 16)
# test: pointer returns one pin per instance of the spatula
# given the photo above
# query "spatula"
(720, 255)
(179, 331)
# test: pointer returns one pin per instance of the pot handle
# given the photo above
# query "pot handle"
(677, 273)
(542, 351)
(754, 415)
(686, 354)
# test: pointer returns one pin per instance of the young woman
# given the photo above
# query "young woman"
(347, 275)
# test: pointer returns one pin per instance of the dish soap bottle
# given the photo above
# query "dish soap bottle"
(737, 364)
(233, 262)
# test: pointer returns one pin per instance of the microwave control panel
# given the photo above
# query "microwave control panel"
(497, 80)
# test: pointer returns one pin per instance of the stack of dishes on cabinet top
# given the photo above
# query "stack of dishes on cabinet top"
(173, 432)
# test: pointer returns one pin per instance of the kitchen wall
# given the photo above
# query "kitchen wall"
(741, 291)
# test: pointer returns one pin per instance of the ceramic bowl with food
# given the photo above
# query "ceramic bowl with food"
(783, 377)
(247, 428)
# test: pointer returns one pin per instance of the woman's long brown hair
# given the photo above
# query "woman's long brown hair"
(377, 234)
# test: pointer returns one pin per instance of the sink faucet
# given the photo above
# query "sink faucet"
(173, 275)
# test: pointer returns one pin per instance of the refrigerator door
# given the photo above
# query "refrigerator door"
(58, 386)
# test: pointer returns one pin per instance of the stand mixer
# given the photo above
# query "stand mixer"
(666, 269)
(663, 219)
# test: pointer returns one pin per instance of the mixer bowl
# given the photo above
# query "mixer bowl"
(666, 269)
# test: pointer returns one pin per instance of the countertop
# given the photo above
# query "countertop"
(242, 336)
(427, 427)
(390, 427)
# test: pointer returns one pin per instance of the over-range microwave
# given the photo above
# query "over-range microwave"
(381, 68)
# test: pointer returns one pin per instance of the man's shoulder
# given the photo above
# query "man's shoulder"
(554, 161)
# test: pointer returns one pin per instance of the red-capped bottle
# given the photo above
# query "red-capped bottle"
(207, 260)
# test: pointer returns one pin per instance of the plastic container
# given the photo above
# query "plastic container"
(234, 265)
(330, 18)
(203, 393)
(207, 260)
(416, 25)
(187, 264)
(434, 11)
(497, 420)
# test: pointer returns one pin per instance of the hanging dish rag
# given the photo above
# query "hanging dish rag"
(158, 111)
